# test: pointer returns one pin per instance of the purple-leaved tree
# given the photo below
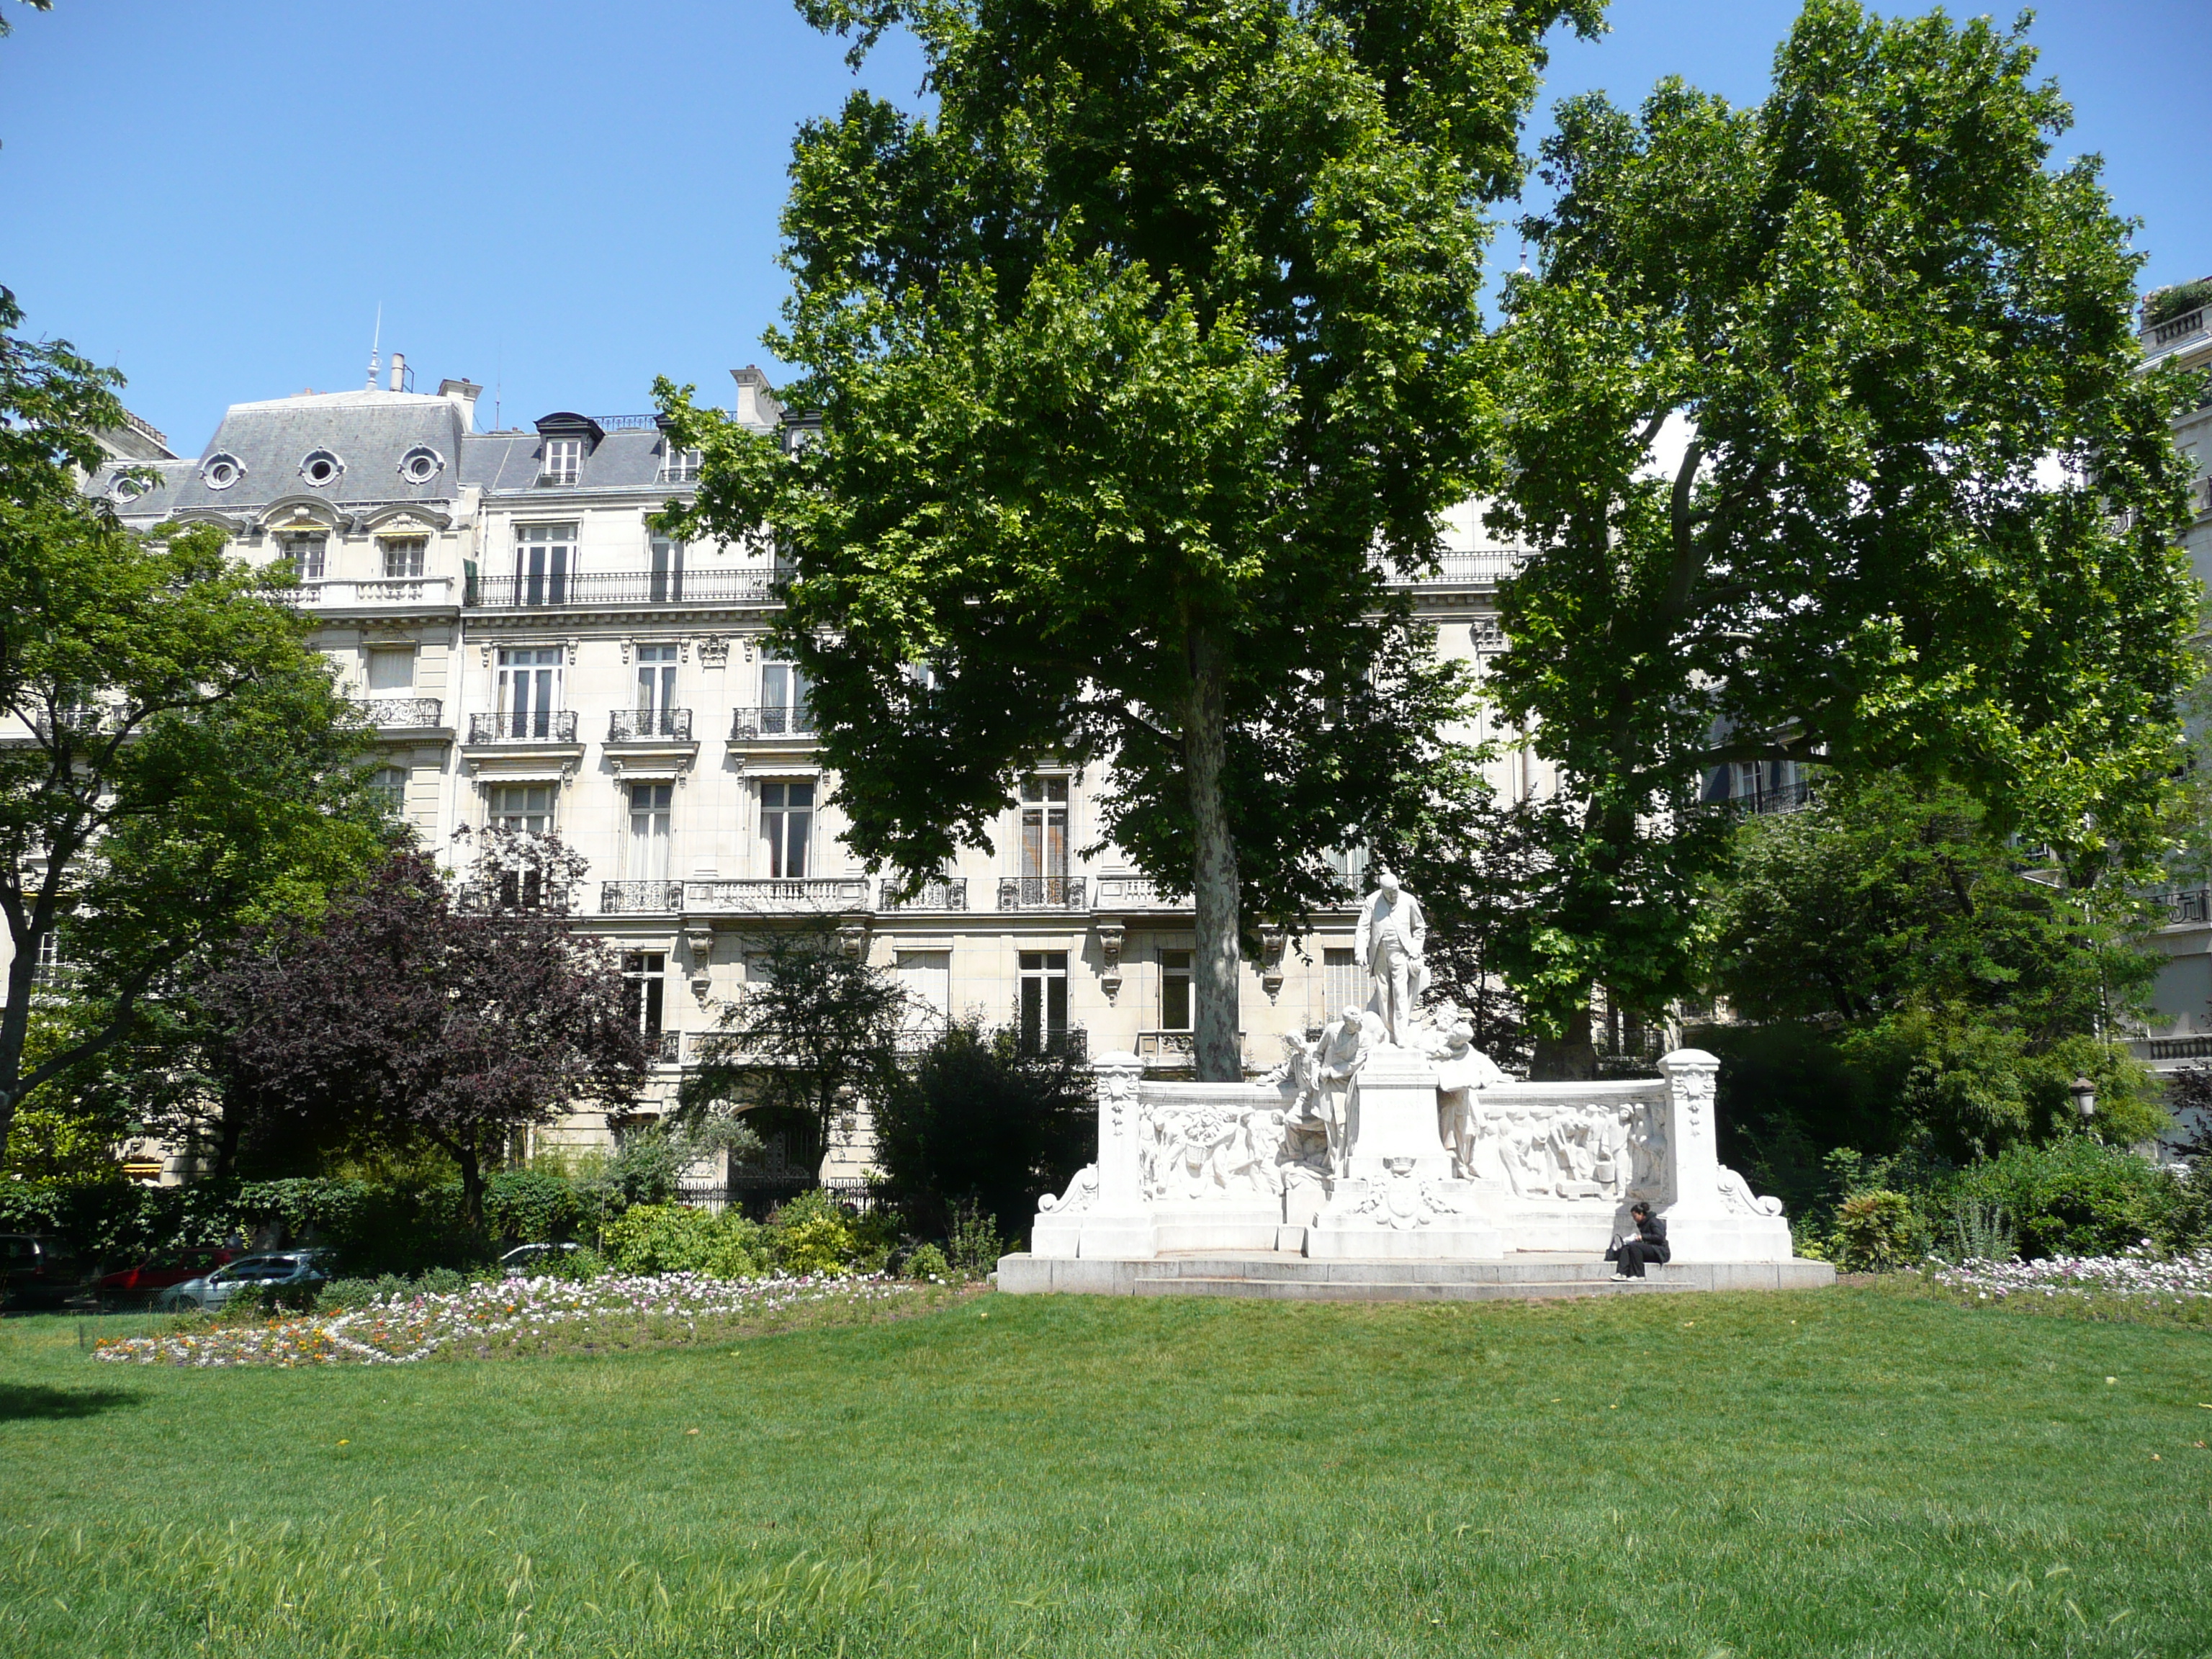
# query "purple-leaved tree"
(419, 1013)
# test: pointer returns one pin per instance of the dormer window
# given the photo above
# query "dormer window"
(679, 465)
(421, 463)
(564, 461)
(322, 469)
(220, 471)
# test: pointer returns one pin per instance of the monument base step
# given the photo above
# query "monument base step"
(1279, 1277)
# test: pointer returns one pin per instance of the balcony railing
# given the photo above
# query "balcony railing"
(1488, 566)
(402, 713)
(645, 724)
(2190, 905)
(619, 587)
(375, 590)
(1073, 1041)
(778, 895)
(950, 894)
(524, 726)
(641, 898)
(2179, 328)
(2176, 1048)
(1134, 893)
(79, 723)
(1041, 892)
(751, 725)
(1779, 797)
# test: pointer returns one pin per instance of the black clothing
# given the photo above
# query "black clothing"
(1650, 1244)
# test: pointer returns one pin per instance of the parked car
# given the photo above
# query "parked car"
(282, 1267)
(158, 1273)
(37, 1270)
(525, 1259)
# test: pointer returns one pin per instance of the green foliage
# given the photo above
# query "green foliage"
(2163, 304)
(1875, 1232)
(1130, 356)
(663, 1238)
(975, 1246)
(978, 1118)
(2080, 1197)
(1980, 1230)
(926, 1262)
(813, 1234)
(530, 1207)
(1871, 311)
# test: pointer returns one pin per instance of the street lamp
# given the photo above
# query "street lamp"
(2085, 1098)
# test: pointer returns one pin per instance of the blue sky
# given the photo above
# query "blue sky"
(561, 199)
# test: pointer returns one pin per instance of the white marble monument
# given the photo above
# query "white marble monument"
(1390, 1136)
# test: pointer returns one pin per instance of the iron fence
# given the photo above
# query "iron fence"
(642, 725)
(782, 721)
(524, 726)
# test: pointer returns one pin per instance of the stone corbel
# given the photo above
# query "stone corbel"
(625, 650)
(1273, 936)
(571, 643)
(714, 651)
(699, 940)
(853, 938)
(1110, 934)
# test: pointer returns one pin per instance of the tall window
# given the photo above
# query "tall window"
(1044, 998)
(403, 555)
(1175, 990)
(644, 974)
(787, 825)
(391, 668)
(529, 689)
(389, 785)
(678, 465)
(925, 976)
(305, 555)
(665, 579)
(1044, 827)
(526, 808)
(649, 812)
(656, 688)
(564, 461)
(783, 700)
(1342, 983)
(545, 556)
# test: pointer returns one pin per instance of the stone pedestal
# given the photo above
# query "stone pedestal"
(1712, 1215)
(1398, 1198)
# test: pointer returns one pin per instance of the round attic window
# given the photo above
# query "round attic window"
(322, 469)
(222, 472)
(420, 464)
(128, 489)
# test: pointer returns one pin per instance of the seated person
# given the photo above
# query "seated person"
(1648, 1244)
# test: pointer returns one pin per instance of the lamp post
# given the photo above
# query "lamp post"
(2085, 1098)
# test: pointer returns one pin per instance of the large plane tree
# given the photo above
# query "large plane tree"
(1135, 358)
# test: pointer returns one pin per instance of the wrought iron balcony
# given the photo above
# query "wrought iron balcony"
(89, 720)
(1041, 892)
(778, 895)
(950, 894)
(645, 724)
(751, 724)
(402, 713)
(1485, 566)
(2191, 905)
(1071, 1040)
(524, 726)
(551, 590)
(641, 898)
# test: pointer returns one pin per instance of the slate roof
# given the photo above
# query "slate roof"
(369, 431)
(506, 462)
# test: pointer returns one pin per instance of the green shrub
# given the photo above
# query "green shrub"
(977, 1246)
(813, 1234)
(1980, 1230)
(927, 1262)
(2079, 1197)
(531, 1207)
(661, 1238)
(1874, 1232)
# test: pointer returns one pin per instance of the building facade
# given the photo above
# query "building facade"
(532, 652)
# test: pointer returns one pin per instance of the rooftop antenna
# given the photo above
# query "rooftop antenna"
(375, 341)
(498, 382)
(1524, 270)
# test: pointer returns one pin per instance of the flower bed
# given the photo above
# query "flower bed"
(531, 1315)
(2139, 1277)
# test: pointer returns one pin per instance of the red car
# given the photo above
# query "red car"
(158, 1273)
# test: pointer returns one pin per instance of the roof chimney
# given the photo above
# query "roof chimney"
(463, 395)
(398, 371)
(757, 408)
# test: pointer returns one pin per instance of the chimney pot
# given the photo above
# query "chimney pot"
(398, 371)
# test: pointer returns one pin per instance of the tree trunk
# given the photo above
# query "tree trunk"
(1214, 965)
(1569, 1059)
(14, 1027)
(473, 1182)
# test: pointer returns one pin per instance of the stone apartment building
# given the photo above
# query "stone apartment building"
(532, 652)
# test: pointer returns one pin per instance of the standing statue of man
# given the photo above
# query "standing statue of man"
(1392, 935)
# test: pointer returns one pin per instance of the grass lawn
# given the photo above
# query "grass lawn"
(1818, 1473)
